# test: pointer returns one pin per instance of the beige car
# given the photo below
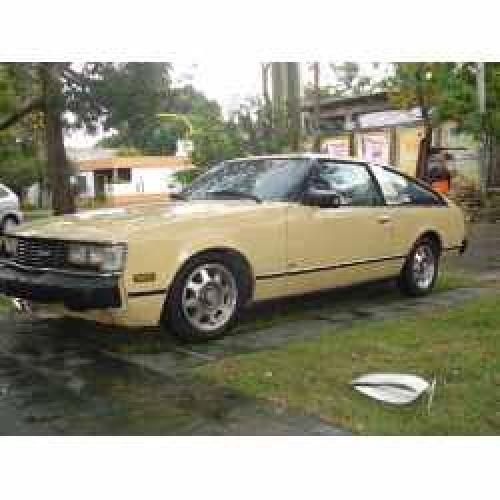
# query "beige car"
(248, 230)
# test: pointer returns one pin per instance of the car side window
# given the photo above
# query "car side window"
(351, 181)
(3, 193)
(399, 190)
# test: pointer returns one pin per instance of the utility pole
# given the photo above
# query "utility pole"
(286, 101)
(483, 161)
(317, 104)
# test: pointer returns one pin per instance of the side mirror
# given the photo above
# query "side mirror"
(322, 198)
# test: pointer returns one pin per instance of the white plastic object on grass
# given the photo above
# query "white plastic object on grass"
(394, 388)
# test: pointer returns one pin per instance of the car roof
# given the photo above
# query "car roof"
(298, 156)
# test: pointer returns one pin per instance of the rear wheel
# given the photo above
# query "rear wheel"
(420, 271)
(206, 297)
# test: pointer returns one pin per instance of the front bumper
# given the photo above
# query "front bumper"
(79, 293)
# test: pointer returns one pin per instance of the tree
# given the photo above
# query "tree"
(214, 140)
(131, 95)
(83, 96)
(461, 104)
(153, 134)
(448, 91)
(20, 161)
(421, 85)
(352, 80)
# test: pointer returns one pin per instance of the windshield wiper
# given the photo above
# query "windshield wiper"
(231, 193)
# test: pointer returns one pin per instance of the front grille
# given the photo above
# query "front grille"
(41, 253)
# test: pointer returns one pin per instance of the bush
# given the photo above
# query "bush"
(19, 173)
(186, 177)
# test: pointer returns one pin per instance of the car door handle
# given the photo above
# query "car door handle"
(384, 219)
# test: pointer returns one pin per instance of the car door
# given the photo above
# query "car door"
(330, 246)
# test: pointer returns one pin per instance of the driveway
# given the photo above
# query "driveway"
(65, 377)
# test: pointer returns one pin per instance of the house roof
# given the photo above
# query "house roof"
(349, 100)
(133, 162)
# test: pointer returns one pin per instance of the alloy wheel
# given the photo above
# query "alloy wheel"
(209, 297)
(424, 266)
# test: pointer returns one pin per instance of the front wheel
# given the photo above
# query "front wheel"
(206, 297)
(420, 271)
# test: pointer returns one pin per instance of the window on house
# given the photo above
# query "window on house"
(81, 184)
(106, 174)
(124, 175)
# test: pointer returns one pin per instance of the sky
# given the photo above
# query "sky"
(228, 83)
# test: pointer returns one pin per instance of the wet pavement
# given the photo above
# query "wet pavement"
(67, 377)
(55, 378)
(54, 382)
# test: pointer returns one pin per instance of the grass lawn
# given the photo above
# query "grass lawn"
(297, 308)
(460, 347)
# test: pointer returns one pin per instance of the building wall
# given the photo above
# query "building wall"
(143, 181)
(398, 146)
(408, 140)
(377, 131)
(89, 183)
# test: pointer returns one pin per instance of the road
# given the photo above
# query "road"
(53, 381)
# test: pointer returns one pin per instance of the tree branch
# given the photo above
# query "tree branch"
(33, 105)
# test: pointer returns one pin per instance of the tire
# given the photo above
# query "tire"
(206, 297)
(8, 222)
(421, 268)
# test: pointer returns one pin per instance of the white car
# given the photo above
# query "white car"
(10, 213)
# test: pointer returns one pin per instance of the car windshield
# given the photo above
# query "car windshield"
(260, 180)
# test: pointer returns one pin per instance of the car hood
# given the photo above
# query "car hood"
(118, 224)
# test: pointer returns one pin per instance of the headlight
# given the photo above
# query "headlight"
(77, 255)
(10, 245)
(109, 258)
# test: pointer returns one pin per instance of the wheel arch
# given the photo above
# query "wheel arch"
(434, 236)
(9, 215)
(222, 250)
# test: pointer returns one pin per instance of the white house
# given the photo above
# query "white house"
(124, 180)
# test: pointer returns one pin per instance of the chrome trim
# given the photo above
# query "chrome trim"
(70, 272)
(83, 242)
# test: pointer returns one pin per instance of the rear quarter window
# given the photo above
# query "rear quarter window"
(400, 190)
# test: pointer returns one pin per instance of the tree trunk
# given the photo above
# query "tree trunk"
(426, 142)
(424, 150)
(268, 112)
(57, 164)
(317, 108)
